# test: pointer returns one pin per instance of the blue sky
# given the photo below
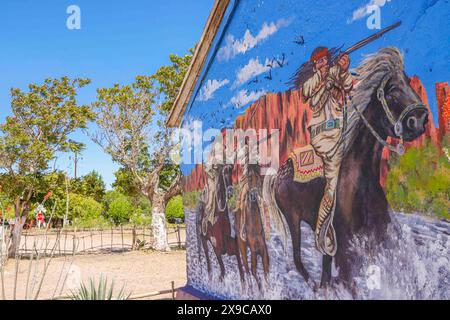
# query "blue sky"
(117, 41)
(260, 31)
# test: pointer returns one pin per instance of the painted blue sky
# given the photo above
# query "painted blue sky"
(260, 31)
(117, 41)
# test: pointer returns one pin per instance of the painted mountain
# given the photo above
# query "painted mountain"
(287, 112)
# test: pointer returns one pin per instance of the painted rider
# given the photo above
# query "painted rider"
(246, 156)
(212, 166)
(326, 88)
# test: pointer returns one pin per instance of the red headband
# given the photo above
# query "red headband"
(319, 55)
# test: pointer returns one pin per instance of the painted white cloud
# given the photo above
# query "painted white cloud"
(211, 86)
(233, 46)
(252, 69)
(191, 130)
(364, 11)
(244, 97)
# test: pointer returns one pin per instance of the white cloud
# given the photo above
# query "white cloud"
(211, 86)
(244, 97)
(252, 69)
(234, 46)
(365, 10)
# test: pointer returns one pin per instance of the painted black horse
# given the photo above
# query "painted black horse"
(383, 104)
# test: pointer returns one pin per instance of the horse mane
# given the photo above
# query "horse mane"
(369, 75)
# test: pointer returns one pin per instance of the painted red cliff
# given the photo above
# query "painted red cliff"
(287, 112)
(443, 100)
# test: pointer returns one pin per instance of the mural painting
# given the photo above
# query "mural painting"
(351, 107)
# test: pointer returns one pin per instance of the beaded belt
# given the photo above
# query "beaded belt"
(325, 126)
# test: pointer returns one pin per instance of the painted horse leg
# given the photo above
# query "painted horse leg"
(243, 250)
(205, 249)
(326, 270)
(265, 261)
(254, 261)
(233, 250)
(222, 266)
(296, 244)
(241, 243)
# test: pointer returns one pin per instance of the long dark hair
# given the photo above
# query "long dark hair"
(306, 70)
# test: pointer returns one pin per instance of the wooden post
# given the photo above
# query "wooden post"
(173, 290)
(92, 245)
(26, 235)
(143, 234)
(121, 231)
(112, 235)
(65, 241)
(179, 237)
(59, 242)
(73, 243)
(133, 241)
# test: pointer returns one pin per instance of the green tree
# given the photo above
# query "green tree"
(42, 120)
(124, 184)
(131, 121)
(91, 185)
(170, 78)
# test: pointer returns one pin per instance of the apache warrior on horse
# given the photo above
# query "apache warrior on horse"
(326, 84)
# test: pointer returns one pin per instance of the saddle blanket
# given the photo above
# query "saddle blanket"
(307, 164)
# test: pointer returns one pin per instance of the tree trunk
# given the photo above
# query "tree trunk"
(16, 235)
(159, 227)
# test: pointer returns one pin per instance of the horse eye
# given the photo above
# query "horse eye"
(391, 89)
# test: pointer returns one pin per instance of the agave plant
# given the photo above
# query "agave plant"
(100, 291)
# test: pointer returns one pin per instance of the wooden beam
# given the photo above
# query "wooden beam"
(198, 61)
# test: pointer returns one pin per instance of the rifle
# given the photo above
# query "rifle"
(370, 39)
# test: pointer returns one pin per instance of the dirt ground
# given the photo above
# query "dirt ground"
(140, 271)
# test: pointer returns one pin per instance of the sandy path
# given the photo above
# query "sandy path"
(140, 271)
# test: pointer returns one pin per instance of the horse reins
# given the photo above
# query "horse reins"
(222, 209)
(397, 124)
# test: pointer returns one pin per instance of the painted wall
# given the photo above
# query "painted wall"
(341, 215)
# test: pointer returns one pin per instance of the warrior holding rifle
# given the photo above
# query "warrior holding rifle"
(326, 83)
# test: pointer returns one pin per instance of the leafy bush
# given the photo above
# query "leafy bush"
(120, 210)
(84, 211)
(142, 215)
(419, 181)
(175, 209)
(123, 209)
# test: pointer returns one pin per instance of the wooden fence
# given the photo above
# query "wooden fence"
(63, 242)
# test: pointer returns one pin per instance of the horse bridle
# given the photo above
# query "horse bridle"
(397, 124)
(228, 190)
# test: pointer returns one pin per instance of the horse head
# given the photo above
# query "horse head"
(399, 112)
(409, 114)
